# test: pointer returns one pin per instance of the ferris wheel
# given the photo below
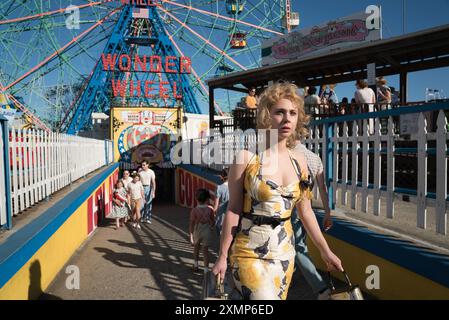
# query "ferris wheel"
(50, 52)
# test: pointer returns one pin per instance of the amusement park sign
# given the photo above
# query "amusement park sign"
(154, 64)
(334, 35)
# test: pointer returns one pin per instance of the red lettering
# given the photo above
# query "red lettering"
(133, 88)
(169, 63)
(195, 187)
(128, 63)
(175, 91)
(163, 90)
(148, 89)
(109, 62)
(159, 64)
(185, 65)
(119, 87)
(188, 184)
(138, 62)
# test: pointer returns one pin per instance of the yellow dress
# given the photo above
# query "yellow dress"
(262, 258)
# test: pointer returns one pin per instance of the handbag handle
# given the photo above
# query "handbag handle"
(219, 287)
(332, 283)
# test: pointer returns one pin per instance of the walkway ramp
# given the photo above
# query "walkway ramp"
(152, 263)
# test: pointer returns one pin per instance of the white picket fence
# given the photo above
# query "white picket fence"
(42, 163)
(3, 186)
(339, 155)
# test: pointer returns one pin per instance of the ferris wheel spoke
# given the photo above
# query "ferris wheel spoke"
(207, 41)
(200, 47)
(200, 22)
(224, 17)
(49, 13)
(195, 44)
(266, 17)
(10, 10)
(85, 49)
(193, 70)
(48, 59)
(255, 8)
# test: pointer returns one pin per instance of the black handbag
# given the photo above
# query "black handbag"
(348, 292)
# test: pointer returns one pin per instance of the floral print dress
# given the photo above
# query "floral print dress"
(262, 258)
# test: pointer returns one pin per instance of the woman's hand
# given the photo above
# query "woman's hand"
(220, 267)
(191, 239)
(333, 263)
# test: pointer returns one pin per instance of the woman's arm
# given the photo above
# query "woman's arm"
(327, 221)
(233, 212)
(216, 201)
(153, 186)
(309, 221)
(211, 216)
(306, 214)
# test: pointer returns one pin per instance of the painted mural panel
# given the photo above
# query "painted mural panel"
(145, 134)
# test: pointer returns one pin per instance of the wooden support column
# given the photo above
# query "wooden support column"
(403, 87)
(211, 107)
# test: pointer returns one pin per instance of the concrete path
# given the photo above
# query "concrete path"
(152, 263)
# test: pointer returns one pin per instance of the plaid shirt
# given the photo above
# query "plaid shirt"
(314, 162)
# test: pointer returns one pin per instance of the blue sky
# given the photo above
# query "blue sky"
(420, 15)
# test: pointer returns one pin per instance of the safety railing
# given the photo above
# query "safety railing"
(41, 163)
(368, 156)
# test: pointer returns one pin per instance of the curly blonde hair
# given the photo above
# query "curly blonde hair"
(272, 95)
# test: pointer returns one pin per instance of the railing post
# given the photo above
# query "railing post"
(441, 183)
(5, 185)
(329, 131)
(421, 192)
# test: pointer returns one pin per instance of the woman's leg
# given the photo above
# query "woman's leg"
(133, 211)
(117, 223)
(138, 206)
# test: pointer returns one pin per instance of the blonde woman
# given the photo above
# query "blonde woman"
(264, 188)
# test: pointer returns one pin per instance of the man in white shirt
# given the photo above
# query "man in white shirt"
(365, 96)
(312, 102)
(148, 179)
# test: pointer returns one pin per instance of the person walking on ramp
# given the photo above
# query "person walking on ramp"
(201, 226)
(148, 179)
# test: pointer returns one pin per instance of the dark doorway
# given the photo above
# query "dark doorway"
(165, 185)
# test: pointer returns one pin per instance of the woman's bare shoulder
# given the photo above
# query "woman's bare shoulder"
(243, 157)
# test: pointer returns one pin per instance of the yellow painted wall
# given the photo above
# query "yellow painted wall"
(37, 274)
(396, 283)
